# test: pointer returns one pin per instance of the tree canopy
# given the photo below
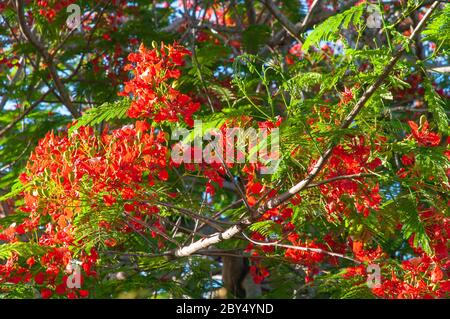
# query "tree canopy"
(223, 148)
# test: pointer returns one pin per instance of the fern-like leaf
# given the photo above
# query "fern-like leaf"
(265, 228)
(438, 30)
(21, 248)
(104, 112)
(437, 107)
(327, 29)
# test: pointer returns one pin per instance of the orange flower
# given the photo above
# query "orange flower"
(422, 134)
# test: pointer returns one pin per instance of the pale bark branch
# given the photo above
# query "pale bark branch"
(440, 69)
(348, 119)
(278, 200)
(309, 14)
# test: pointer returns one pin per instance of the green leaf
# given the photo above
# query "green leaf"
(21, 248)
(265, 228)
(437, 107)
(438, 29)
(16, 189)
(328, 29)
(223, 93)
(105, 112)
(413, 225)
(255, 36)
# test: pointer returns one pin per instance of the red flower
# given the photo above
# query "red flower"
(46, 293)
(71, 295)
(106, 37)
(346, 96)
(61, 289)
(39, 278)
(163, 175)
(296, 50)
(152, 89)
(128, 207)
(31, 261)
(110, 242)
(437, 274)
(289, 60)
(109, 200)
(347, 159)
(23, 178)
(408, 159)
(422, 134)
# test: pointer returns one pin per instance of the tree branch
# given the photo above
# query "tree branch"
(30, 36)
(301, 248)
(250, 9)
(348, 120)
(236, 229)
(338, 178)
(12, 81)
(290, 27)
(309, 15)
(25, 113)
(312, 20)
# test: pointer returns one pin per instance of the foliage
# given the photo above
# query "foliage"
(94, 121)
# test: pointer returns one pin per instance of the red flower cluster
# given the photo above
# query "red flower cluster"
(258, 271)
(153, 86)
(423, 135)
(364, 255)
(423, 276)
(308, 258)
(350, 159)
(49, 10)
(114, 162)
(214, 158)
(294, 51)
(78, 171)
(217, 13)
(346, 96)
(425, 138)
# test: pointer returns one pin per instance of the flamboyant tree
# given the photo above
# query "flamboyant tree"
(335, 112)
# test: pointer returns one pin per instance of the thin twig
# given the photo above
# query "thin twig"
(301, 248)
(290, 27)
(236, 229)
(31, 37)
(25, 113)
(337, 178)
